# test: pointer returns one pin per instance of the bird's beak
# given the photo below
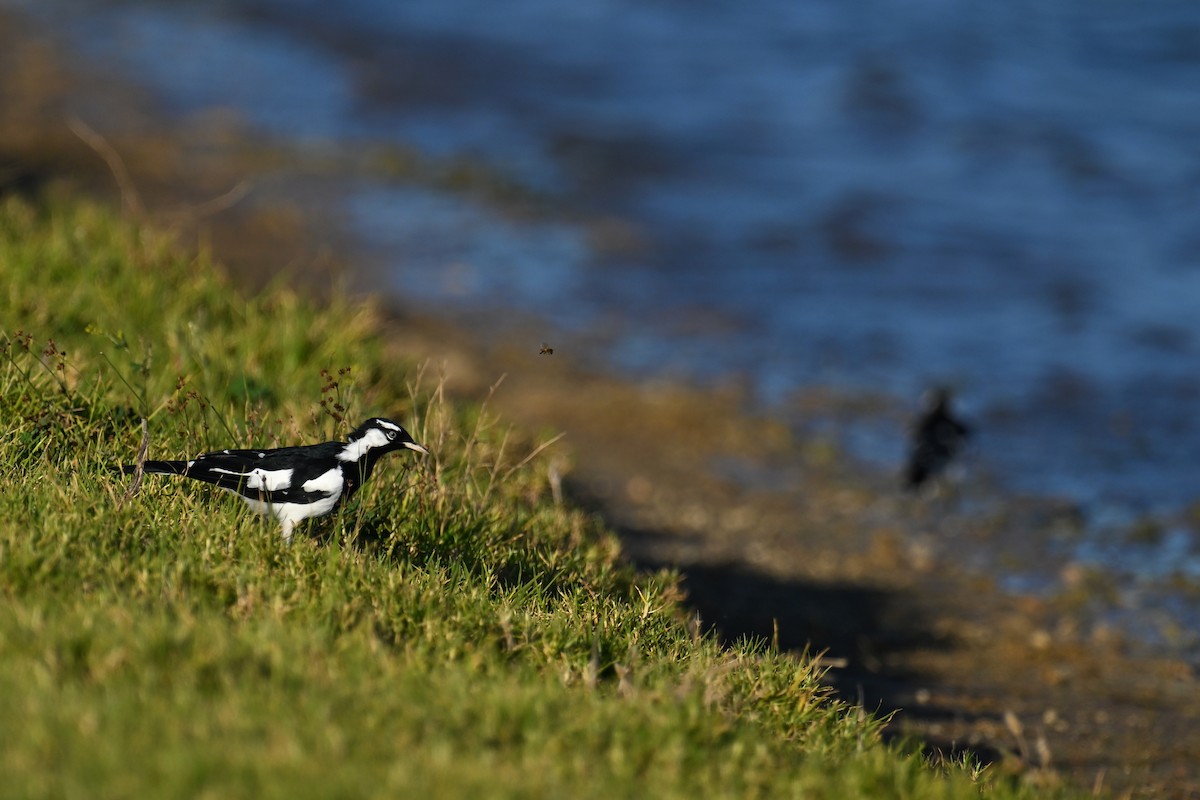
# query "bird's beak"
(417, 447)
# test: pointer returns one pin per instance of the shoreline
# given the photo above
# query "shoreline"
(823, 560)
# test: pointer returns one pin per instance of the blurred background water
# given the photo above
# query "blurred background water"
(868, 195)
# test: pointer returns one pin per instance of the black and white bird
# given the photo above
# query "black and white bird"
(294, 483)
(937, 436)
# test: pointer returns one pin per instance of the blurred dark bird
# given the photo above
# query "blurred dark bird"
(936, 438)
(292, 483)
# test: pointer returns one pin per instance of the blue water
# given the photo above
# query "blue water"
(866, 194)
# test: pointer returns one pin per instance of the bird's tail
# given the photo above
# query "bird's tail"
(158, 468)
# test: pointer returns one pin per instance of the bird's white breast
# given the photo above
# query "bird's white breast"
(328, 484)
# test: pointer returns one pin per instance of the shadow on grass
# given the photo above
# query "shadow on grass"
(861, 631)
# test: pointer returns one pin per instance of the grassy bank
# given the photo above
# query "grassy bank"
(453, 632)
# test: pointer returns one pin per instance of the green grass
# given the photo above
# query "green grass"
(452, 633)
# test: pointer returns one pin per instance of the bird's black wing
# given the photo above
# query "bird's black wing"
(275, 458)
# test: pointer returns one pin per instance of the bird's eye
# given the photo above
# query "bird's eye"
(391, 435)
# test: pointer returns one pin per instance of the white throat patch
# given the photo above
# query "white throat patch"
(358, 448)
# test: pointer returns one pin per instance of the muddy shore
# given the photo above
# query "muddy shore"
(777, 533)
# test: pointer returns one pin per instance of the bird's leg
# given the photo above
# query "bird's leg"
(287, 530)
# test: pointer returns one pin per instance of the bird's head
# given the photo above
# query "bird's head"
(380, 435)
(937, 399)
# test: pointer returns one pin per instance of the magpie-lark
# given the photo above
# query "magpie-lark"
(936, 438)
(294, 483)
